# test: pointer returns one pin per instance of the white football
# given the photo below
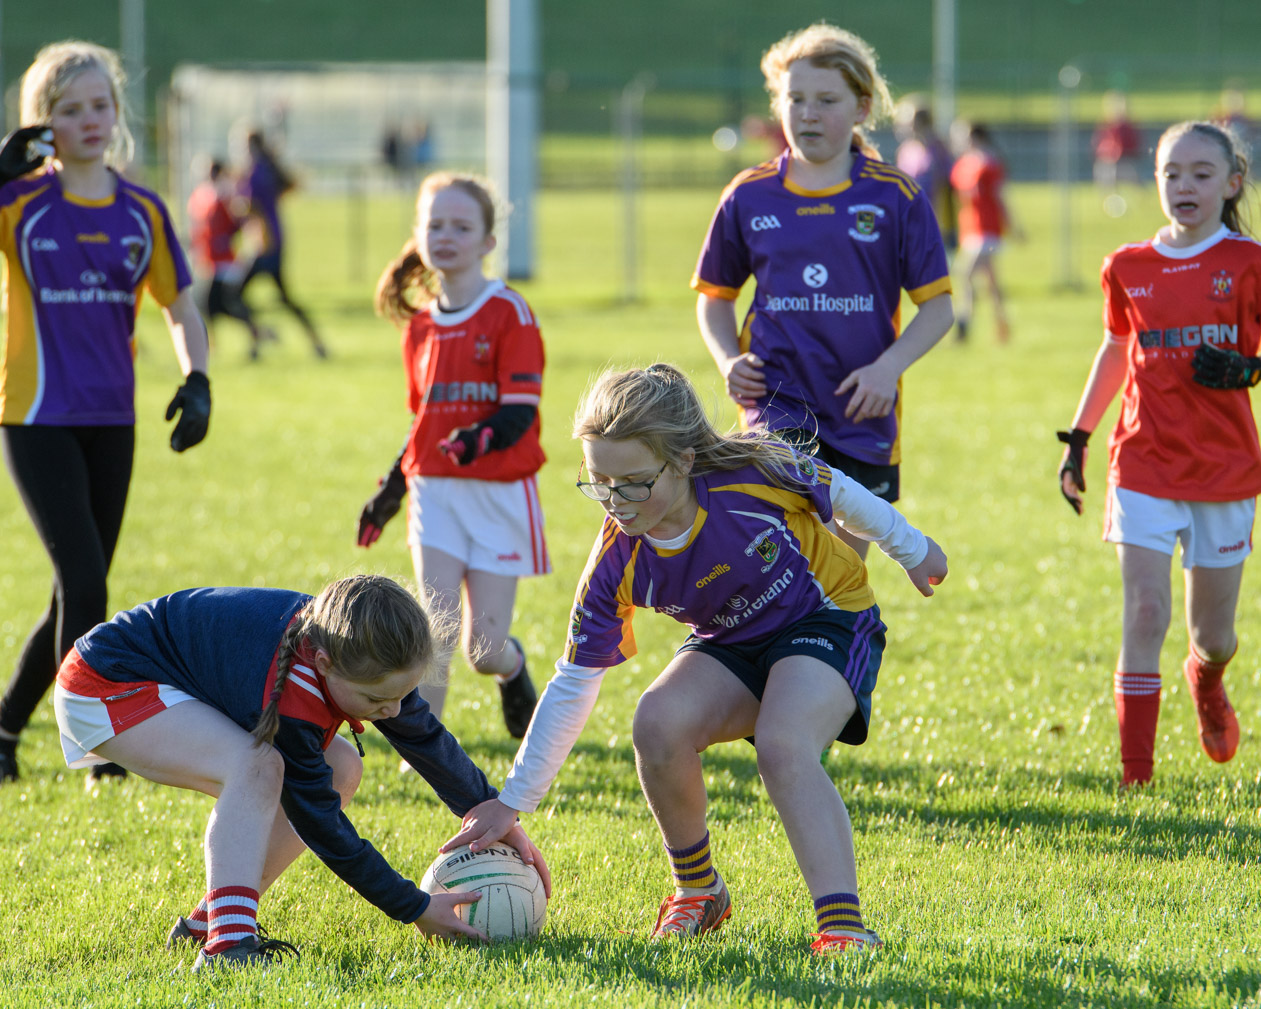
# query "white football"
(512, 905)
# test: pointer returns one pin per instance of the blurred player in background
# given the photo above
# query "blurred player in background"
(727, 535)
(926, 158)
(474, 362)
(214, 224)
(80, 245)
(239, 693)
(978, 177)
(1116, 144)
(832, 236)
(1182, 313)
(263, 185)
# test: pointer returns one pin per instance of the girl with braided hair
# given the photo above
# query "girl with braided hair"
(239, 693)
(473, 358)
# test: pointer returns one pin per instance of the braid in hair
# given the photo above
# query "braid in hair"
(406, 286)
(269, 719)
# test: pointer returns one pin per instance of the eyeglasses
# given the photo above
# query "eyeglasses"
(627, 491)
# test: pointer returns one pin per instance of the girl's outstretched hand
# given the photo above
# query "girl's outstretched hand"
(490, 822)
(440, 920)
(930, 571)
(483, 825)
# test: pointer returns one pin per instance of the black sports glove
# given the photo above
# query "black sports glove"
(1074, 462)
(1225, 369)
(383, 505)
(192, 400)
(465, 444)
(24, 150)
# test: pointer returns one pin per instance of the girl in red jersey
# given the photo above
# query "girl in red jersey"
(474, 362)
(983, 220)
(80, 245)
(1184, 464)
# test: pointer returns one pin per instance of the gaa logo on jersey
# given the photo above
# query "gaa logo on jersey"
(481, 347)
(1223, 286)
(816, 274)
(866, 217)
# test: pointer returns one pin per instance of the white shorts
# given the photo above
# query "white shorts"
(488, 524)
(91, 709)
(981, 244)
(1213, 534)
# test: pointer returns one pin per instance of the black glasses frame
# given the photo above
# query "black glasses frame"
(605, 491)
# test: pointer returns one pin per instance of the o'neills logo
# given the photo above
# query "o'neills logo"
(719, 569)
(822, 208)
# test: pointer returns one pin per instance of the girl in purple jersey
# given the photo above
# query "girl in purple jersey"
(832, 236)
(785, 645)
(239, 693)
(80, 244)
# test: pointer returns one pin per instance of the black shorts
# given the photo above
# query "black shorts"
(882, 481)
(851, 643)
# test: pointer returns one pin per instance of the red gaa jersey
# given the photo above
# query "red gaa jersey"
(1175, 438)
(462, 367)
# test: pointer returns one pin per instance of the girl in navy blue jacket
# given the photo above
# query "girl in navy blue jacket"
(239, 692)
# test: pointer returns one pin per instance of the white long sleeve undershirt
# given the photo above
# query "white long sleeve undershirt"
(871, 518)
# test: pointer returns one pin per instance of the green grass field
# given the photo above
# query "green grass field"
(995, 856)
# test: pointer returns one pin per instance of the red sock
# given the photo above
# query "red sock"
(199, 921)
(1138, 707)
(1207, 675)
(233, 914)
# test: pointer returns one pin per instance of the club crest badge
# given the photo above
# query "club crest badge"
(866, 219)
(1223, 286)
(764, 547)
(481, 348)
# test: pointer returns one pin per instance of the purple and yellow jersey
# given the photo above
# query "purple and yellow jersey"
(830, 268)
(758, 557)
(74, 270)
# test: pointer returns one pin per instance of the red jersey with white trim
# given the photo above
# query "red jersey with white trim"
(461, 368)
(1175, 438)
(978, 178)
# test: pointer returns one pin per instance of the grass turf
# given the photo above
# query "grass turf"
(995, 857)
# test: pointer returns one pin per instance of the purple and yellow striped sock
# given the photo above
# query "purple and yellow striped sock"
(692, 867)
(839, 911)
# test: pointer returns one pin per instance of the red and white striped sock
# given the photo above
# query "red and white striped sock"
(233, 915)
(198, 921)
(1138, 708)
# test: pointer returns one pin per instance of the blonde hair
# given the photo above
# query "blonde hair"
(825, 45)
(51, 72)
(658, 406)
(1234, 153)
(407, 285)
(369, 625)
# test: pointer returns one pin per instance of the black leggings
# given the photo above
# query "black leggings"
(73, 481)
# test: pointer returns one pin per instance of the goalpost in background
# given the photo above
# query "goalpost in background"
(330, 123)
